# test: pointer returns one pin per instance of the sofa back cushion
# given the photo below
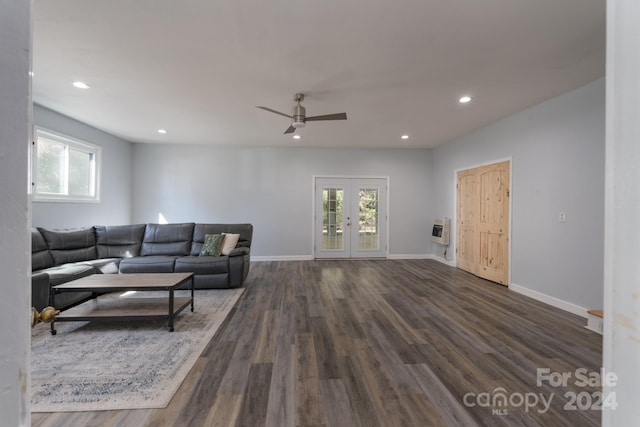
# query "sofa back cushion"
(167, 239)
(40, 256)
(119, 241)
(70, 245)
(200, 230)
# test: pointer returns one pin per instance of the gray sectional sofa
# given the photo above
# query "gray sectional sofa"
(59, 256)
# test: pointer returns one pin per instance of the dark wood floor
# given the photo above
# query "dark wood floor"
(375, 343)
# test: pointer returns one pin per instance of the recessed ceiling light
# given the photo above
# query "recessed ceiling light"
(162, 131)
(464, 99)
(296, 137)
(81, 85)
(405, 137)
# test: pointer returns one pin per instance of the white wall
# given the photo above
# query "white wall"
(621, 347)
(15, 262)
(272, 189)
(115, 192)
(557, 151)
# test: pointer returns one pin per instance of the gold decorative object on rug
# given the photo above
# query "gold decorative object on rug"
(47, 315)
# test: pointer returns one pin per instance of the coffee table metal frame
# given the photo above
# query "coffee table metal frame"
(139, 308)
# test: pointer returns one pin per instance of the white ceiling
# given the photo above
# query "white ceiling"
(199, 68)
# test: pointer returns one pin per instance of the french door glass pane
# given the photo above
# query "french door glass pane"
(368, 236)
(332, 208)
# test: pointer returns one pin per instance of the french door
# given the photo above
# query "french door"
(350, 218)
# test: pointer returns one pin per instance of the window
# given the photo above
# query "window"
(64, 169)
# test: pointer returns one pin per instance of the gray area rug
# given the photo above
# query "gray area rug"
(93, 366)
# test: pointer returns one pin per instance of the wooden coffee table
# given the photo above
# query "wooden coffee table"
(129, 308)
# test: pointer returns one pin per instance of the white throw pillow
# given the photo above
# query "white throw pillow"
(230, 242)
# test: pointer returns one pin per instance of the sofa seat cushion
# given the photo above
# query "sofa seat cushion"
(148, 264)
(202, 264)
(105, 265)
(68, 272)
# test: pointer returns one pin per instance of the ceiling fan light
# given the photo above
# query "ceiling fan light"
(298, 114)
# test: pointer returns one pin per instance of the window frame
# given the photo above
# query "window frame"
(69, 143)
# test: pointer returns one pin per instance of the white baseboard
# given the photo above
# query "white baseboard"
(310, 257)
(390, 256)
(595, 324)
(449, 262)
(282, 258)
(409, 256)
(422, 256)
(552, 301)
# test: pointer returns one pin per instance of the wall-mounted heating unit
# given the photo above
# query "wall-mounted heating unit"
(440, 232)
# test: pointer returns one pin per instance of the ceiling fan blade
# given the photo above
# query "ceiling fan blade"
(273, 111)
(338, 116)
(290, 129)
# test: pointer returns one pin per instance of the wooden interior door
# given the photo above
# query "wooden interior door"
(466, 256)
(482, 218)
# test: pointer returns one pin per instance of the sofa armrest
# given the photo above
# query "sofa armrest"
(242, 250)
(40, 290)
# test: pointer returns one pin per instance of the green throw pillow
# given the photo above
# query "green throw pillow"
(212, 245)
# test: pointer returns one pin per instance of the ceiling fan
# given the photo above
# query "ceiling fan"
(298, 115)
